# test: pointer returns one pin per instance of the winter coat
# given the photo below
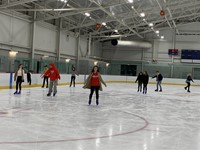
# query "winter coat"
(158, 77)
(88, 84)
(145, 79)
(52, 72)
(189, 78)
(139, 78)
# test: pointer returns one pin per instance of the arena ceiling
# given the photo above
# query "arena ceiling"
(107, 19)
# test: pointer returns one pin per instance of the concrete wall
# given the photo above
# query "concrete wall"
(16, 35)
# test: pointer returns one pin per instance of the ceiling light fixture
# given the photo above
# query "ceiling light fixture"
(151, 24)
(87, 14)
(116, 30)
(130, 1)
(142, 14)
(103, 23)
(157, 32)
(162, 37)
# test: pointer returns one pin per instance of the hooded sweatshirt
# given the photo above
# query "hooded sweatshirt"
(52, 72)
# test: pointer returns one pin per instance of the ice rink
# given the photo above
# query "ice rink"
(124, 120)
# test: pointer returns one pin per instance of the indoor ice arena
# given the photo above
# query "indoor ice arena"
(99, 74)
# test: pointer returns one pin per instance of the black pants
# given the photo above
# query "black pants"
(188, 86)
(139, 86)
(45, 79)
(72, 80)
(145, 88)
(19, 83)
(96, 89)
(29, 81)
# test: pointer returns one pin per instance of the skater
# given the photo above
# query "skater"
(145, 81)
(73, 76)
(54, 75)
(159, 79)
(189, 78)
(45, 78)
(19, 78)
(93, 83)
(139, 80)
(29, 77)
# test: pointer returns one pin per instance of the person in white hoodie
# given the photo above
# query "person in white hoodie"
(19, 78)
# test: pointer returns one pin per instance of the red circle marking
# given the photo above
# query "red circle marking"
(146, 123)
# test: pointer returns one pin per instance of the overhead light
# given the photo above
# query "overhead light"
(162, 37)
(67, 60)
(96, 62)
(132, 7)
(87, 14)
(12, 53)
(151, 28)
(104, 23)
(116, 30)
(142, 14)
(130, 1)
(144, 19)
(45, 56)
(107, 64)
(65, 1)
(157, 31)
(151, 24)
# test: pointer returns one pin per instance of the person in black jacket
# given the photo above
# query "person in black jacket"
(139, 79)
(189, 78)
(29, 77)
(159, 78)
(145, 81)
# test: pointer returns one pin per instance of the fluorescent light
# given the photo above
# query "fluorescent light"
(151, 24)
(142, 14)
(87, 14)
(162, 37)
(107, 64)
(132, 7)
(67, 60)
(116, 30)
(96, 62)
(151, 28)
(157, 31)
(130, 1)
(144, 19)
(13, 53)
(103, 23)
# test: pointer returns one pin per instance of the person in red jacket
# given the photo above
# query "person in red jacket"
(93, 83)
(54, 75)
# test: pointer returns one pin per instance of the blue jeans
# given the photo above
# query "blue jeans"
(159, 84)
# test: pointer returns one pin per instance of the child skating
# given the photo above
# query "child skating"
(188, 80)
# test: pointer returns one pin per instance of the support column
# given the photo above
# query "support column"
(89, 44)
(59, 40)
(174, 46)
(33, 41)
(78, 48)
